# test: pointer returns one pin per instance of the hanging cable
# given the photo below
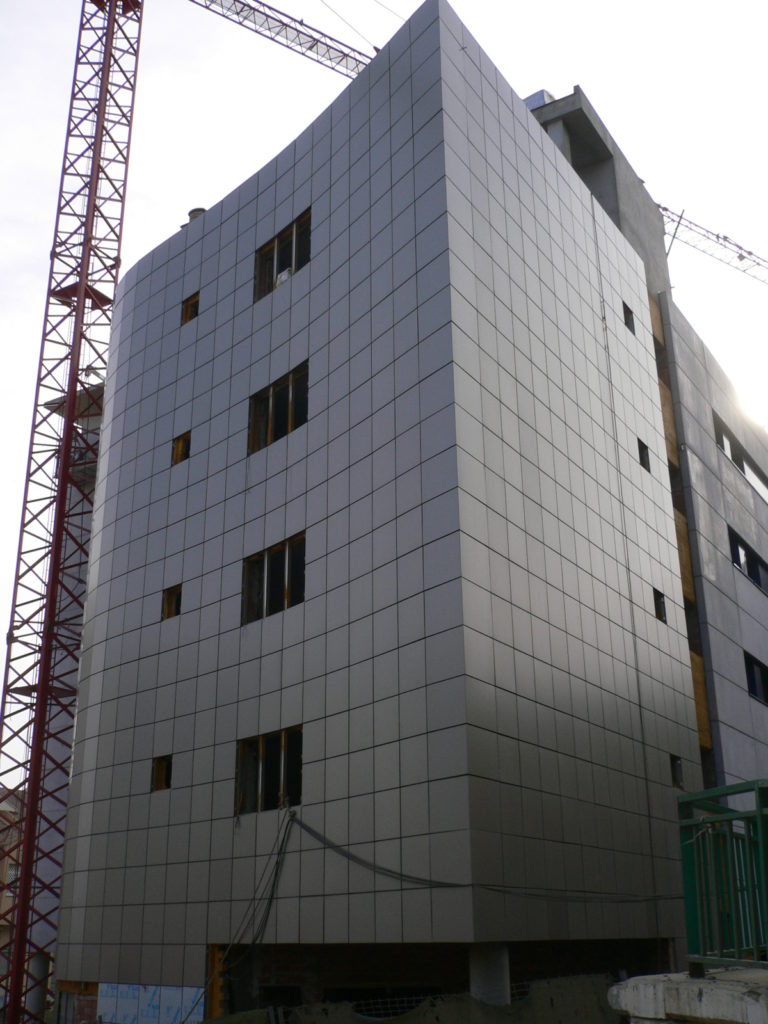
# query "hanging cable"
(349, 25)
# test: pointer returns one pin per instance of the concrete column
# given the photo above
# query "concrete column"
(489, 973)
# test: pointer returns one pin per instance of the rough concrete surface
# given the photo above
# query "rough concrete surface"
(724, 995)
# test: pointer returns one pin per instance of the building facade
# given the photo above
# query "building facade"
(386, 671)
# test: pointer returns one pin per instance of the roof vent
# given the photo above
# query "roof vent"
(196, 212)
(538, 99)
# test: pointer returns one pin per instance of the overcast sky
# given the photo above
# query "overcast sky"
(679, 84)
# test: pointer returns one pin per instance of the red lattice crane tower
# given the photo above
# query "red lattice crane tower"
(40, 682)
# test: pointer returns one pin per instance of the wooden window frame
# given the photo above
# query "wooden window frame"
(256, 402)
(171, 602)
(181, 447)
(251, 757)
(265, 281)
(262, 558)
(190, 308)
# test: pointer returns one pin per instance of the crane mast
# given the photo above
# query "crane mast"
(43, 644)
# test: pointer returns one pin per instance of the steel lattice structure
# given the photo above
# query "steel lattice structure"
(292, 33)
(40, 683)
(719, 247)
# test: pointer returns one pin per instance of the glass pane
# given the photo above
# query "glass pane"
(303, 225)
(300, 395)
(253, 588)
(258, 421)
(293, 767)
(285, 250)
(276, 580)
(270, 772)
(296, 572)
(280, 410)
(265, 270)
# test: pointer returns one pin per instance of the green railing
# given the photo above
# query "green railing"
(724, 843)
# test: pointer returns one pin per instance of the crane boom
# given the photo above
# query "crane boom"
(290, 32)
(719, 247)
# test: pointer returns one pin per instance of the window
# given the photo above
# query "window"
(268, 771)
(730, 447)
(659, 605)
(273, 580)
(629, 317)
(161, 773)
(171, 602)
(282, 256)
(692, 626)
(676, 770)
(644, 455)
(14, 869)
(757, 678)
(190, 307)
(676, 486)
(746, 559)
(278, 409)
(180, 448)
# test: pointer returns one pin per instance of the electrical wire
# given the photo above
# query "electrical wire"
(349, 25)
(389, 9)
(281, 837)
(562, 895)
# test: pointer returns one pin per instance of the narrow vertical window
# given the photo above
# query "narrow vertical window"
(676, 770)
(190, 307)
(253, 588)
(300, 396)
(303, 231)
(659, 605)
(629, 318)
(181, 448)
(171, 602)
(276, 580)
(644, 455)
(161, 772)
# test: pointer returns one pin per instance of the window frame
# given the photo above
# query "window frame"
(266, 273)
(181, 447)
(747, 561)
(659, 605)
(757, 678)
(629, 317)
(171, 606)
(644, 455)
(162, 773)
(253, 794)
(190, 308)
(267, 395)
(261, 606)
(735, 452)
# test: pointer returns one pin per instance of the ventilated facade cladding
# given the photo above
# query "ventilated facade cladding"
(485, 693)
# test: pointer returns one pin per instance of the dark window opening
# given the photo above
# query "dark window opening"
(676, 485)
(181, 448)
(171, 602)
(161, 772)
(190, 307)
(273, 580)
(282, 256)
(278, 409)
(757, 678)
(746, 558)
(629, 317)
(733, 449)
(659, 605)
(644, 455)
(268, 771)
(676, 770)
(662, 363)
(692, 625)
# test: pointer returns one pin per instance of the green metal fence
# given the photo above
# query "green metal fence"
(724, 842)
